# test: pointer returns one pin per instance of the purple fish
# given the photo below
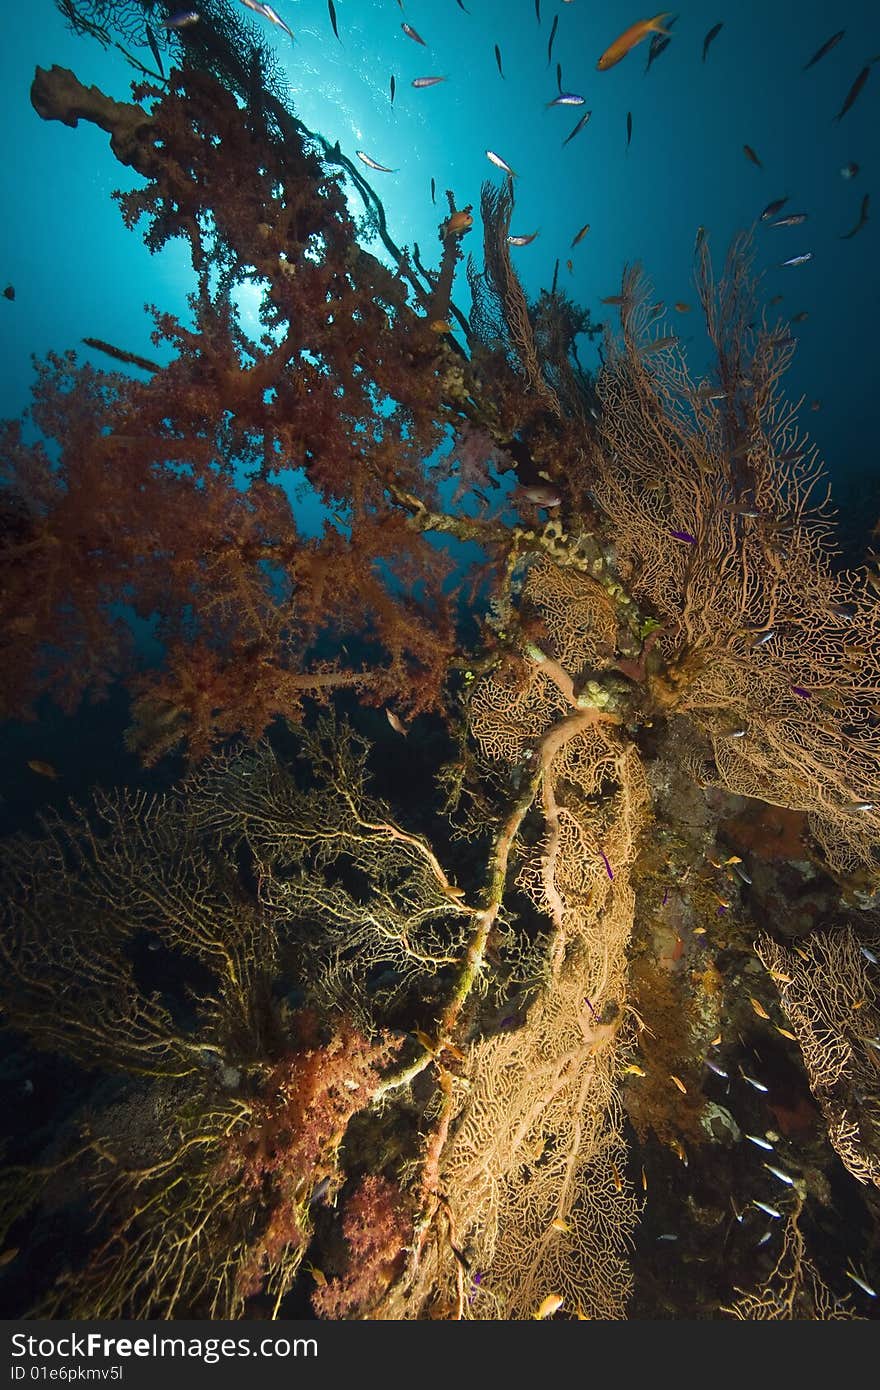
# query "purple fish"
(608, 869)
(804, 694)
(683, 536)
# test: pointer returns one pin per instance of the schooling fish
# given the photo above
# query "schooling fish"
(371, 163)
(154, 49)
(629, 128)
(554, 26)
(659, 44)
(393, 88)
(798, 260)
(567, 99)
(332, 8)
(750, 154)
(826, 48)
(182, 20)
(863, 217)
(579, 127)
(538, 10)
(630, 37)
(581, 234)
(498, 59)
(522, 240)
(411, 34)
(712, 34)
(792, 219)
(772, 208)
(396, 723)
(849, 171)
(268, 13)
(427, 81)
(500, 163)
(433, 192)
(853, 92)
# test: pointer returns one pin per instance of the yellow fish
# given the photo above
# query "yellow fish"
(633, 1070)
(630, 37)
(396, 723)
(458, 222)
(549, 1305)
(679, 1083)
(557, 1224)
(44, 769)
(758, 1007)
(440, 326)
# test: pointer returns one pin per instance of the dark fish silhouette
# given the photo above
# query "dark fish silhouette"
(772, 208)
(853, 92)
(659, 43)
(553, 28)
(750, 154)
(332, 8)
(826, 48)
(393, 88)
(629, 128)
(154, 49)
(538, 10)
(411, 34)
(579, 127)
(433, 192)
(863, 217)
(712, 34)
(559, 77)
(498, 59)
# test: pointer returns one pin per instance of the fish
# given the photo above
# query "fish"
(559, 77)
(554, 26)
(154, 49)
(396, 723)
(679, 1150)
(750, 154)
(579, 127)
(268, 13)
(182, 20)
(758, 1007)
(627, 41)
(853, 92)
(42, 769)
(659, 43)
(859, 806)
(699, 239)
(761, 1143)
(500, 163)
(677, 1081)
(629, 128)
(9, 292)
(538, 10)
(758, 1085)
(522, 240)
(557, 1224)
(849, 171)
(427, 81)
(633, 1070)
(567, 99)
(863, 217)
(681, 307)
(332, 8)
(393, 86)
(826, 48)
(644, 1180)
(712, 34)
(549, 1305)
(713, 1066)
(371, 163)
(434, 192)
(764, 1239)
(772, 209)
(862, 1283)
(616, 1178)
(791, 219)
(771, 1211)
(798, 260)
(411, 34)
(460, 221)
(659, 344)
(579, 236)
(498, 59)
(8, 1256)
(440, 326)
(461, 6)
(870, 955)
(569, 267)
(683, 536)
(778, 1173)
(668, 1235)
(801, 316)
(608, 869)
(785, 1033)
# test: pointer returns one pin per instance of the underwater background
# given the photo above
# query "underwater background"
(707, 136)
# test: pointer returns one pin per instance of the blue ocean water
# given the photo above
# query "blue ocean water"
(77, 272)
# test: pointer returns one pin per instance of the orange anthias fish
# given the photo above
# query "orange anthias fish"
(460, 221)
(630, 37)
(42, 769)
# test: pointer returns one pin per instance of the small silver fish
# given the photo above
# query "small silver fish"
(770, 1211)
(522, 240)
(849, 171)
(758, 1085)
(798, 260)
(870, 955)
(371, 163)
(741, 873)
(763, 637)
(411, 34)
(862, 1283)
(182, 20)
(761, 1143)
(713, 1066)
(427, 81)
(567, 99)
(667, 1237)
(791, 219)
(500, 163)
(859, 806)
(764, 1239)
(778, 1173)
